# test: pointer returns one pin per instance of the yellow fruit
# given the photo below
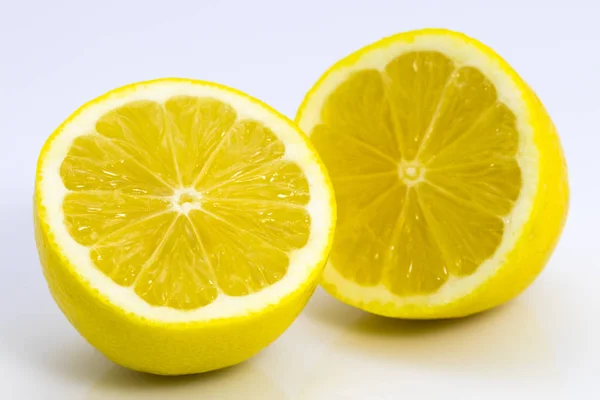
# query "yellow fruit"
(449, 177)
(181, 225)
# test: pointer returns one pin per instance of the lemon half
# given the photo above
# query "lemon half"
(181, 225)
(450, 181)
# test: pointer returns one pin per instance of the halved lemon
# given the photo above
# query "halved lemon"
(181, 225)
(449, 177)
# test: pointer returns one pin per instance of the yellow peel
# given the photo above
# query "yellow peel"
(531, 227)
(168, 340)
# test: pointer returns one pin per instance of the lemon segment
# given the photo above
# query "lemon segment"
(437, 152)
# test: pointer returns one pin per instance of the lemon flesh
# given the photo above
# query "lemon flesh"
(181, 202)
(175, 221)
(435, 168)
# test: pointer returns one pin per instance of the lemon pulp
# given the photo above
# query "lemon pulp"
(184, 201)
(422, 156)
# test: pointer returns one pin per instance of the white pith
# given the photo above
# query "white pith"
(462, 54)
(303, 261)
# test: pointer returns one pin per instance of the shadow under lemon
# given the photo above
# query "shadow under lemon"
(242, 381)
(507, 341)
(47, 346)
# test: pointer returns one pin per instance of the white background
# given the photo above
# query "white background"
(56, 55)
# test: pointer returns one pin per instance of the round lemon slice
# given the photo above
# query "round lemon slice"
(181, 225)
(449, 177)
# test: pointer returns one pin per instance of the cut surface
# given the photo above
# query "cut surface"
(433, 171)
(433, 166)
(181, 194)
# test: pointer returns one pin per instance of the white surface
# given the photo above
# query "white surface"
(56, 55)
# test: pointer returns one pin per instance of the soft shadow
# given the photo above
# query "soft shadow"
(329, 312)
(245, 380)
(46, 344)
(508, 340)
